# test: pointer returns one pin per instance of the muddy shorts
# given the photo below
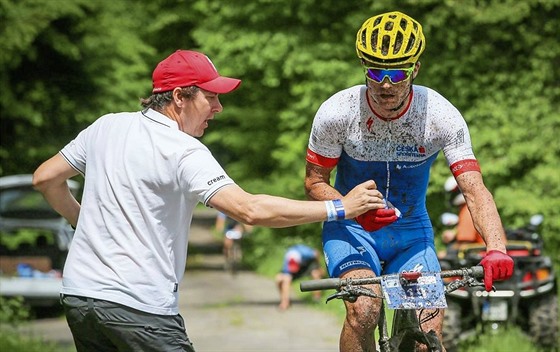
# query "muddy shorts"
(347, 246)
(98, 325)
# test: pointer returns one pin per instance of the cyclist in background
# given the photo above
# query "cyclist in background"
(391, 130)
(299, 261)
(232, 230)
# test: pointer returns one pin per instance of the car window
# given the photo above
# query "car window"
(25, 202)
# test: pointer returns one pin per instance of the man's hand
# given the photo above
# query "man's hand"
(373, 220)
(497, 266)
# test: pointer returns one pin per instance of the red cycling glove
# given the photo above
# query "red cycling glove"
(373, 220)
(497, 266)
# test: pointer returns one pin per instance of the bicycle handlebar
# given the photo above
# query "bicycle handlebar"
(337, 283)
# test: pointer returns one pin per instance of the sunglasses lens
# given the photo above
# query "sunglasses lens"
(395, 76)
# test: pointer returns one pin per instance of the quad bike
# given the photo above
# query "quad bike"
(528, 299)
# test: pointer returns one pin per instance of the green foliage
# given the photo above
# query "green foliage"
(64, 63)
(25, 236)
(13, 311)
(12, 314)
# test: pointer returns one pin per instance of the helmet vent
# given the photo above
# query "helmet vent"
(403, 24)
(373, 38)
(386, 44)
(411, 41)
(398, 43)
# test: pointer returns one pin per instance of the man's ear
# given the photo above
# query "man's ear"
(177, 96)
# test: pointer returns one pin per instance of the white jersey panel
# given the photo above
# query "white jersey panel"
(346, 122)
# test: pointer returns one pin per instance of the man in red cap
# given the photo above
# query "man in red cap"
(144, 174)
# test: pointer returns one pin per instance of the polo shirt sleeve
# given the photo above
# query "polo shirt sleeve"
(75, 152)
(200, 175)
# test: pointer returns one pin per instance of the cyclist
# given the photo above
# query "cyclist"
(145, 172)
(392, 131)
(232, 230)
(299, 260)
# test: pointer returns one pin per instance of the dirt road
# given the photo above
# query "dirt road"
(225, 313)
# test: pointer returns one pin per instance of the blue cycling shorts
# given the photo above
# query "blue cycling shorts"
(347, 246)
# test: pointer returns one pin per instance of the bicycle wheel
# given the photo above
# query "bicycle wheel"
(235, 257)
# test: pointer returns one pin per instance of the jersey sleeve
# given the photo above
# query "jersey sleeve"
(327, 135)
(457, 143)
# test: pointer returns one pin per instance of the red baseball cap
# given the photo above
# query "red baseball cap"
(190, 68)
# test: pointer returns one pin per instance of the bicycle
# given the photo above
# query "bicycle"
(233, 253)
(406, 292)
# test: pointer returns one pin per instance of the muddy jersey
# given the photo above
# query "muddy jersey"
(397, 154)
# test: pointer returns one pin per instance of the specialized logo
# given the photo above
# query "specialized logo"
(369, 122)
(217, 179)
(417, 151)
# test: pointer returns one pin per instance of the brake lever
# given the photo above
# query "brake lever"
(345, 295)
(351, 293)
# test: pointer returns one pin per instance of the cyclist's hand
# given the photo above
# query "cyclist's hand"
(497, 266)
(373, 220)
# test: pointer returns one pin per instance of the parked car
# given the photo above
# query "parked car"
(34, 242)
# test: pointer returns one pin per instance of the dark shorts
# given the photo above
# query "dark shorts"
(98, 325)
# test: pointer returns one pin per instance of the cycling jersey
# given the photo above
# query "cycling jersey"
(396, 153)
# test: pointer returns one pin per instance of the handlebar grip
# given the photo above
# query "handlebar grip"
(478, 271)
(323, 284)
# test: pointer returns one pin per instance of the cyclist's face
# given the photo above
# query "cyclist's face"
(386, 95)
(197, 112)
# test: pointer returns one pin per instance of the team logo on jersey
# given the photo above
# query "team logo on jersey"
(416, 151)
(460, 137)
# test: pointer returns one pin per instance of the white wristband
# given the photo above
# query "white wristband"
(331, 210)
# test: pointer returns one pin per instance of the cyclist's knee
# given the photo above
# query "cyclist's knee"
(363, 313)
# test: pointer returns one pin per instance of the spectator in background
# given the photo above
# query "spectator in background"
(464, 232)
(299, 261)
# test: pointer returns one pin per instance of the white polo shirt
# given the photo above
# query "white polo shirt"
(143, 178)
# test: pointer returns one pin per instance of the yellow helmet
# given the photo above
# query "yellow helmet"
(390, 38)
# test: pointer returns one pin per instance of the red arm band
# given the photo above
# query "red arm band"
(462, 166)
(320, 160)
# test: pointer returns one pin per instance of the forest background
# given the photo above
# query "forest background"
(64, 63)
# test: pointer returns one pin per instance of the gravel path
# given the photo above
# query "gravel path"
(225, 313)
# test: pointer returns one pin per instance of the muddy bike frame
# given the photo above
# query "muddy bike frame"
(406, 330)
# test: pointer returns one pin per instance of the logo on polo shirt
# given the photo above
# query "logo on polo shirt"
(216, 179)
